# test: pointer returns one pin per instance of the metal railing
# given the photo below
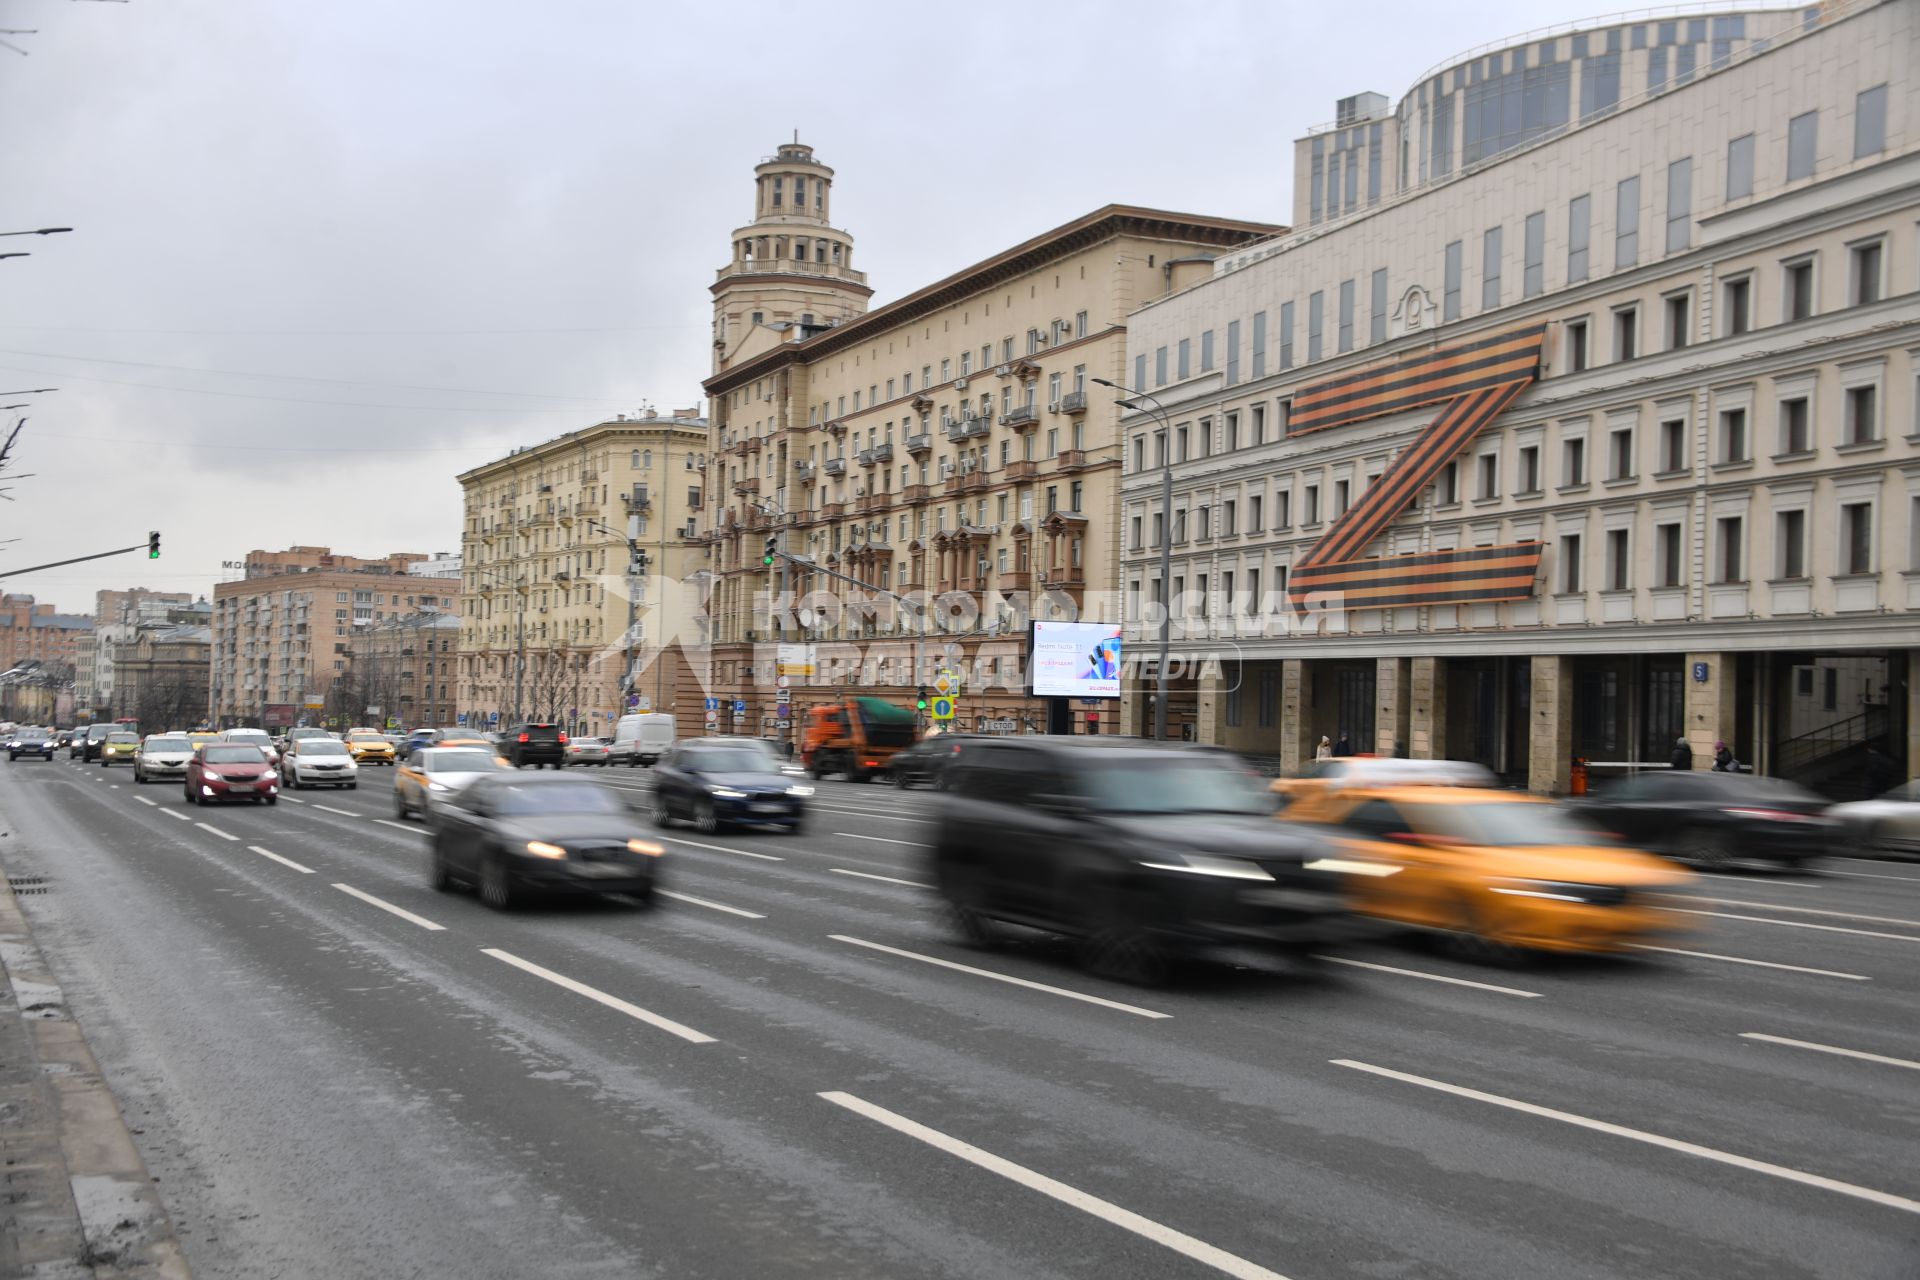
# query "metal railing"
(1809, 748)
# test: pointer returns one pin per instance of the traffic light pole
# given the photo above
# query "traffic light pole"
(151, 546)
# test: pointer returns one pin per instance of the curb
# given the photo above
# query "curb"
(80, 1201)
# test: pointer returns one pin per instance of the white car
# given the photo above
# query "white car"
(1888, 823)
(254, 738)
(162, 756)
(319, 762)
(433, 775)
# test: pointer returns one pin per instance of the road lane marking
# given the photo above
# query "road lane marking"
(1798, 924)
(216, 831)
(402, 912)
(1641, 1135)
(1758, 964)
(868, 875)
(184, 817)
(1433, 977)
(612, 1002)
(345, 813)
(288, 862)
(293, 800)
(862, 813)
(711, 906)
(1807, 911)
(114, 786)
(918, 844)
(1868, 875)
(1136, 1010)
(1828, 1048)
(1146, 1228)
(401, 826)
(720, 848)
(1752, 882)
(145, 801)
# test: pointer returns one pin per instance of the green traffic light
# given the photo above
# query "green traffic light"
(921, 705)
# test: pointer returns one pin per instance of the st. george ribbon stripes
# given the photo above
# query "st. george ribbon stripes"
(1476, 381)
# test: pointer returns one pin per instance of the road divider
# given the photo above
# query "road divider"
(1105, 1210)
(1758, 964)
(1862, 1055)
(285, 862)
(388, 907)
(1432, 977)
(1008, 978)
(711, 906)
(593, 993)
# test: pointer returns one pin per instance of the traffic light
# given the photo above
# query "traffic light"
(773, 543)
(153, 545)
(921, 705)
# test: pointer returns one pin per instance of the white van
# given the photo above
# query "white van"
(641, 739)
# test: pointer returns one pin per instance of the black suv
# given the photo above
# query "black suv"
(537, 744)
(1147, 852)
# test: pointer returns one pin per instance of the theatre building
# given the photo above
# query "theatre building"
(1578, 416)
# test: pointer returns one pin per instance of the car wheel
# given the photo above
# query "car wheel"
(1706, 850)
(439, 875)
(400, 806)
(797, 826)
(706, 819)
(1119, 946)
(352, 786)
(662, 815)
(190, 797)
(496, 885)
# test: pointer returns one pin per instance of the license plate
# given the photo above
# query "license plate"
(239, 786)
(601, 870)
(1304, 898)
(769, 806)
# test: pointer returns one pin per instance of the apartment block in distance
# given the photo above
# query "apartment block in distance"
(1585, 412)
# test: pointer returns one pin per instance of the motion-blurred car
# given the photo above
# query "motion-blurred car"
(368, 746)
(414, 741)
(119, 747)
(77, 744)
(1714, 820)
(536, 744)
(434, 775)
(254, 738)
(715, 783)
(97, 735)
(777, 758)
(319, 762)
(1496, 869)
(231, 771)
(162, 756)
(511, 833)
(1145, 852)
(308, 731)
(30, 741)
(1350, 771)
(1888, 823)
(926, 762)
(587, 751)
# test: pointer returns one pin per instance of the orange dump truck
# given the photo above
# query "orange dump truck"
(857, 737)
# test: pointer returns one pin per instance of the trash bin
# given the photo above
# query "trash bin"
(1578, 783)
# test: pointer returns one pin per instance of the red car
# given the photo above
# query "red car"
(231, 771)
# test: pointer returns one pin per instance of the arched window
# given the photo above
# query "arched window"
(646, 460)
(636, 458)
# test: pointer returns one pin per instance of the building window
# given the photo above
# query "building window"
(1797, 288)
(1185, 359)
(1140, 371)
(1533, 270)
(1666, 555)
(1734, 446)
(1679, 204)
(1730, 564)
(1737, 303)
(1140, 453)
(1450, 291)
(1233, 353)
(1573, 462)
(1080, 324)
(1488, 474)
(1490, 269)
(1180, 444)
(1856, 537)
(1345, 336)
(1740, 167)
(1870, 122)
(1570, 563)
(1862, 424)
(1626, 333)
(1579, 233)
(1863, 277)
(1259, 351)
(1803, 141)
(1576, 342)
(1529, 478)
(1342, 495)
(1283, 509)
(1316, 320)
(1673, 446)
(1795, 436)
(1679, 310)
(1228, 525)
(1310, 505)
(1160, 367)
(1254, 513)
(1133, 540)
(1233, 431)
(1286, 335)
(1626, 223)
(1206, 352)
(1790, 544)
(1620, 457)
(1446, 486)
(1619, 563)
(1377, 307)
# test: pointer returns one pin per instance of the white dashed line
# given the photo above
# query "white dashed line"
(1136, 1010)
(401, 826)
(217, 831)
(402, 912)
(879, 839)
(345, 813)
(1146, 1228)
(293, 799)
(1752, 883)
(1640, 1135)
(1798, 924)
(288, 862)
(868, 875)
(1433, 977)
(1827, 1048)
(711, 906)
(720, 848)
(1809, 911)
(1758, 964)
(184, 817)
(612, 1002)
(149, 803)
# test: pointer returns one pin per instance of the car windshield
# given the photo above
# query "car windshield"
(555, 798)
(119, 738)
(32, 735)
(462, 762)
(169, 744)
(1506, 825)
(233, 755)
(365, 737)
(727, 760)
(589, 742)
(1159, 784)
(321, 747)
(247, 735)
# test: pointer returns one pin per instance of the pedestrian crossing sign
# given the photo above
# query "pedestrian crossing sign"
(941, 708)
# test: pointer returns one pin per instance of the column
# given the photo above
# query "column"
(1427, 722)
(1296, 746)
(1391, 725)
(1912, 758)
(1213, 687)
(1710, 700)
(1550, 735)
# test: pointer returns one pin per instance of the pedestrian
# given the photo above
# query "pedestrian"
(1682, 759)
(1325, 750)
(1343, 747)
(1723, 761)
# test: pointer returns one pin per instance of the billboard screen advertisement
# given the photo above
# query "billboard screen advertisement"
(1075, 660)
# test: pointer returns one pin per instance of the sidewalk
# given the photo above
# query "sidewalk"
(75, 1198)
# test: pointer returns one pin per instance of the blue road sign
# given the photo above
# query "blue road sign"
(713, 704)
(461, 718)
(739, 707)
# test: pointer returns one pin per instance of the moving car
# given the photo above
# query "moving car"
(1499, 870)
(777, 758)
(1350, 771)
(642, 739)
(201, 737)
(368, 746)
(1888, 823)
(77, 744)
(1145, 852)
(231, 771)
(536, 744)
(855, 737)
(31, 741)
(319, 762)
(1712, 820)
(720, 784)
(511, 833)
(97, 734)
(162, 756)
(254, 738)
(433, 775)
(925, 763)
(587, 751)
(119, 746)
(417, 739)
(309, 731)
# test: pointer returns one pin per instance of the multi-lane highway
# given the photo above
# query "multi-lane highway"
(790, 1068)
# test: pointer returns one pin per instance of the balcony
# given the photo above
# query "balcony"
(1023, 469)
(915, 494)
(1072, 459)
(836, 427)
(585, 510)
(832, 510)
(803, 470)
(834, 466)
(968, 428)
(1073, 402)
(864, 457)
(921, 402)
(1015, 580)
(966, 482)
(873, 504)
(882, 452)
(1021, 415)
(750, 445)
(790, 267)
(1061, 576)
(921, 443)
(749, 485)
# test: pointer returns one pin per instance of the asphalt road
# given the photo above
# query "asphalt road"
(793, 1070)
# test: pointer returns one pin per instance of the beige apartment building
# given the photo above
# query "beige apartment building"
(1596, 430)
(949, 443)
(555, 623)
(400, 672)
(162, 677)
(281, 632)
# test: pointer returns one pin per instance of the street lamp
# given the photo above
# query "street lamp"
(30, 391)
(1166, 547)
(43, 231)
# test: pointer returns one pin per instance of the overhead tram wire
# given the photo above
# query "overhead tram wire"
(335, 404)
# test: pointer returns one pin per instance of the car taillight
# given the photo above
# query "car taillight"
(526, 737)
(563, 738)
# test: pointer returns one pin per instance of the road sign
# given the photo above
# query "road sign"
(739, 707)
(942, 708)
(461, 718)
(373, 710)
(945, 682)
(713, 704)
(783, 711)
(713, 718)
(783, 682)
(783, 696)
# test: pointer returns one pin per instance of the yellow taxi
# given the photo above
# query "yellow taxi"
(368, 746)
(1500, 870)
(119, 748)
(201, 737)
(1351, 771)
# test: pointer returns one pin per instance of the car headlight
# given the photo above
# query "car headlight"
(1552, 890)
(799, 791)
(541, 849)
(269, 776)
(438, 786)
(1203, 864)
(726, 793)
(647, 847)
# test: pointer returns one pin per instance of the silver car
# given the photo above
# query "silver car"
(162, 756)
(1889, 823)
(434, 775)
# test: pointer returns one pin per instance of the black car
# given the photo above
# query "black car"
(715, 785)
(1712, 820)
(537, 744)
(30, 742)
(1146, 852)
(926, 762)
(510, 834)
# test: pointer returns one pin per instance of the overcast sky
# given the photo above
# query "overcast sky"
(328, 255)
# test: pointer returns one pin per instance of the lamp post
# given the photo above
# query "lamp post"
(1159, 411)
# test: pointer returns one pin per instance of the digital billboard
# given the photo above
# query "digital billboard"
(1075, 659)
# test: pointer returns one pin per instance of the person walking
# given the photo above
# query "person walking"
(1325, 750)
(1343, 747)
(1681, 761)
(1723, 761)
